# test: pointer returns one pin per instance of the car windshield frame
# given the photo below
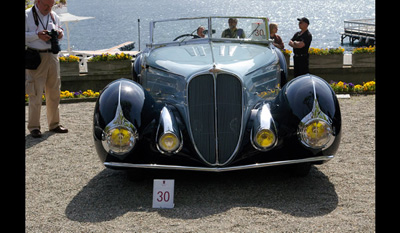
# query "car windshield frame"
(257, 32)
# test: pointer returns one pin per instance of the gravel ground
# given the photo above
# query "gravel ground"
(69, 190)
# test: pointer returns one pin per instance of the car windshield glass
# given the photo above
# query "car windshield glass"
(247, 28)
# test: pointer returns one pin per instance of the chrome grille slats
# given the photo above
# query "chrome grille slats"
(202, 114)
(215, 111)
(229, 115)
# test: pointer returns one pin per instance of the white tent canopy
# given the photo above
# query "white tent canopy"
(66, 18)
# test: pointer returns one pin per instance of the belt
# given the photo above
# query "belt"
(41, 50)
(301, 55)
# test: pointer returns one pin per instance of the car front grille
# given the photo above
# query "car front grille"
(215, 111)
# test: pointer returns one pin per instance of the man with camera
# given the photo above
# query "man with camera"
(42, 32)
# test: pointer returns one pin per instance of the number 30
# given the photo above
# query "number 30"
(163, 196)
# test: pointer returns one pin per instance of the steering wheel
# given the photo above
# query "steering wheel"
(185, 35)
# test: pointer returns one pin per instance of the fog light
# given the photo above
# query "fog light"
(316, 133)
(264, 138)
(169, 142)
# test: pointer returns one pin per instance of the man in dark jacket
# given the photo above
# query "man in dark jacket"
(301, 43)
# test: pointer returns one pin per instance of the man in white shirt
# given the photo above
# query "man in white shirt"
(47, 75)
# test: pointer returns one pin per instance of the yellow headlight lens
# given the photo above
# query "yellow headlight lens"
(316, 133)
(120, 137)
(120, 140)
(265, 138)
(316, 130)
(169, 142)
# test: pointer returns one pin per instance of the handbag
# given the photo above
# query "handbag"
(32, 59)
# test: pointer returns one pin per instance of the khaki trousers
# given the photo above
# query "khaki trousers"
(46, 77)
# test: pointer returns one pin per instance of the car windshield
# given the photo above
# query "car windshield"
(186, 29)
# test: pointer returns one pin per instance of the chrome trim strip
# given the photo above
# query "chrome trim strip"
(217, 169)
(216, 119)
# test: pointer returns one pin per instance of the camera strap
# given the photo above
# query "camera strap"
(37, 18)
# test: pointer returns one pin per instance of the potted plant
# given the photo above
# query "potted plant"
(69, 65)
(106, 63)
(326, 58)
(287, 53)
(363, 57)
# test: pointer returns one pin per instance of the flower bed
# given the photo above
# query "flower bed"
(71, 95)
(342, 87)
(70, 58)
(370, 49)
(69, 65)
(110, 64)
(317, 51)
(110, 57)
(326, 58)
(363, 57)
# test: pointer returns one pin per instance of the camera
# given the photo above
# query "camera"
(55, 46)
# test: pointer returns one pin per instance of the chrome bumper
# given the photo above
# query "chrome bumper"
(218, 169)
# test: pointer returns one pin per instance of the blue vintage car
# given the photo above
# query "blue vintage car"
(203, 99)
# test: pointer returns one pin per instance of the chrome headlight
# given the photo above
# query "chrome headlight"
(168, 135)
(315, 129)
(120, 135)
(264, 133)
(119, 139)
(316, 133)
(264, 139)
(169, 142)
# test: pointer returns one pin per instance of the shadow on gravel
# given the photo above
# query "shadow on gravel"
(109, 194)
(31, 141)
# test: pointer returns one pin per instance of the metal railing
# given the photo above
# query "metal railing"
(364, 27)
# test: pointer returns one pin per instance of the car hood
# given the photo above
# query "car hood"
(189, 59)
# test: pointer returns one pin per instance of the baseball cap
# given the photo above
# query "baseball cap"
(304, 19)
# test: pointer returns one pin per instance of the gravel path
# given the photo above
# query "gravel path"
(69, 190)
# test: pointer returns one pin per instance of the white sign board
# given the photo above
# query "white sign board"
(163, 194)
(258, 30)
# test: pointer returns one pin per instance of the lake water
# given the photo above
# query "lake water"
(116, 20)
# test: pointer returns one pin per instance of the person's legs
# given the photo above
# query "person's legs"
(34, 86)
(300, 65)
(297, 64)
(52, 90)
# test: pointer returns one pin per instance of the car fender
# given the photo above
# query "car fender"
(137, 106)
(298, 99)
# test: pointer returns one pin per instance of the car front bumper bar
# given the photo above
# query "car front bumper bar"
(217, 169)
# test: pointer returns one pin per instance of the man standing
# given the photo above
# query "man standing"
(301, 43)
(39, 21)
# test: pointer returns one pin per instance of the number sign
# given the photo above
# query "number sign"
(163, 194)
(259, 31)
